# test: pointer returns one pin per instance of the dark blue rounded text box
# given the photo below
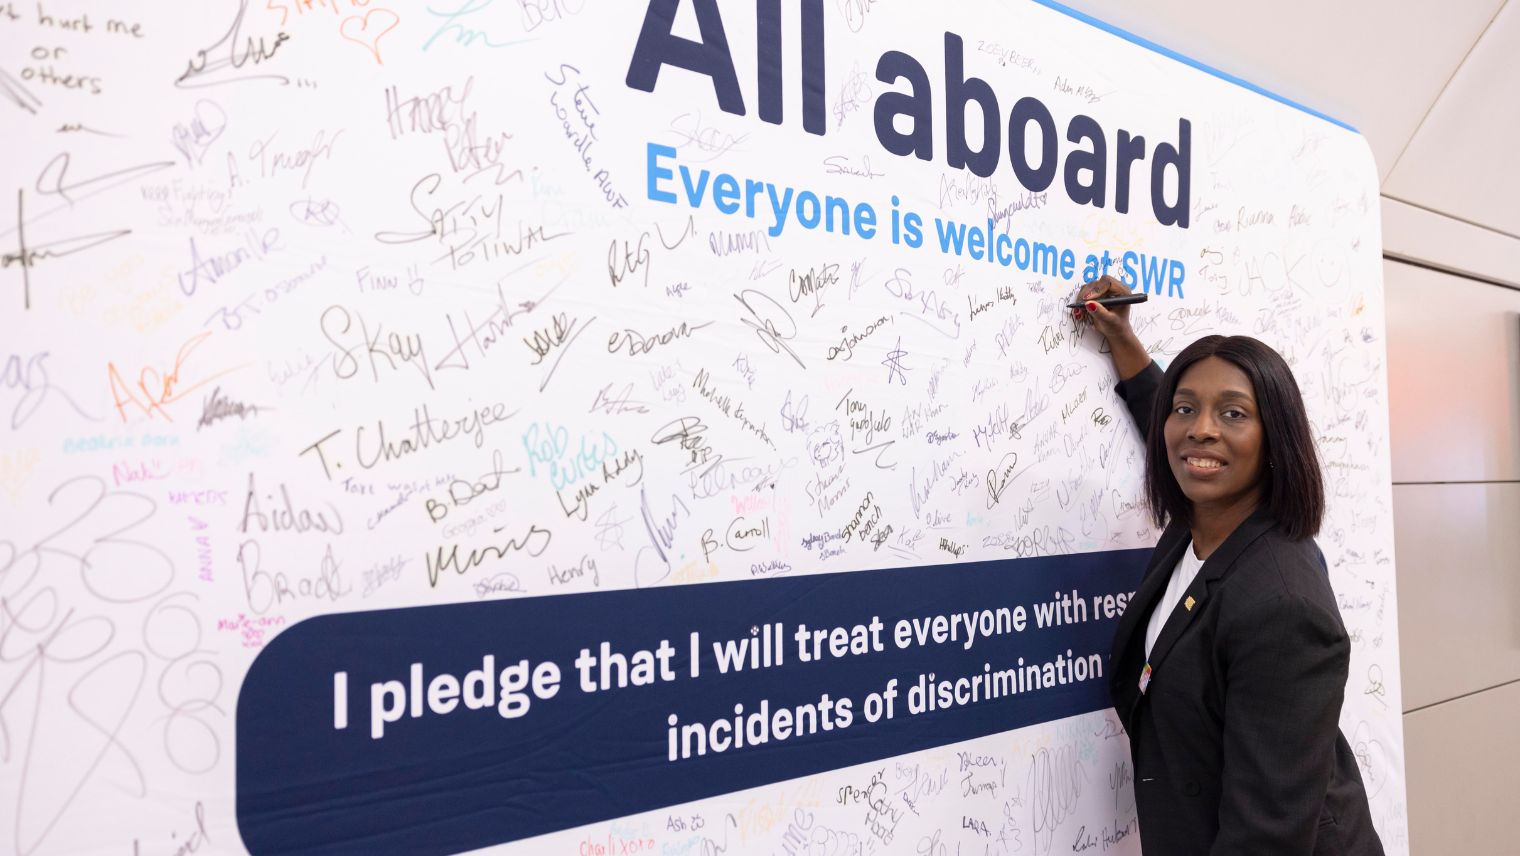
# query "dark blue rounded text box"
(444, 782)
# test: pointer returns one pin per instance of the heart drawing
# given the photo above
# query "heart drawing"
(367, 31)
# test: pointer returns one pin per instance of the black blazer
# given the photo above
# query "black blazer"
(1236, 741)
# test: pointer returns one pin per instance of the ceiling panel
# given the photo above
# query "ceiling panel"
(1374, 65)
(1462, 161)
(1419, 235)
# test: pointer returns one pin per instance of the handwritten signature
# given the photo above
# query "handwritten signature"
(77, 679)
(159, 388)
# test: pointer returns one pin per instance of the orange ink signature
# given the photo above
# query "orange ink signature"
(158, 388)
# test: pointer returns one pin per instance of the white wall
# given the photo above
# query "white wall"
(1454, 400)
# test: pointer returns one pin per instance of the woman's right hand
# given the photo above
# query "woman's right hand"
(1112, 323)
(1124, 347)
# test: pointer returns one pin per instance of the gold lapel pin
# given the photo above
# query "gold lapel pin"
(1188, 604)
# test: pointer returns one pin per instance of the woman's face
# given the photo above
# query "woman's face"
(1214, 437)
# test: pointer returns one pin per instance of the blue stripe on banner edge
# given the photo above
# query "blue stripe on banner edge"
(1187, 60)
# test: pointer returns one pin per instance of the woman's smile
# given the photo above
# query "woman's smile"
(1203, 467)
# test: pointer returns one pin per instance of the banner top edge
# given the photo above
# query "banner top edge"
(1189, 61)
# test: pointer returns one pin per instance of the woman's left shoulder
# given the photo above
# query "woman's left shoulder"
(1286, 566)
(1284, 582)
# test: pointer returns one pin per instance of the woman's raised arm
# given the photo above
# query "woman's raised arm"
(1139, 376)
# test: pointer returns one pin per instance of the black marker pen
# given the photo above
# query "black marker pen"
(1111, 301)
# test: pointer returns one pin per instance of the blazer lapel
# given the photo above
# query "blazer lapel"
(1129, 653)
(1152, 584)
(1213, 570)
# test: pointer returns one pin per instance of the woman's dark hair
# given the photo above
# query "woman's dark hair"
(1293, 491)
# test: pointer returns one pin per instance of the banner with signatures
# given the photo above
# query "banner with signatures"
(567, 426)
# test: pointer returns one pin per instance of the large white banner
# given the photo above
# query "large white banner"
(560, 426)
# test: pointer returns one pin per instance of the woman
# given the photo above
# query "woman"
(1229, 665)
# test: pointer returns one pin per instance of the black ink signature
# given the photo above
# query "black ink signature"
(1001, 476)
(50, 183)
(765, 325)
(563, 338)
(44, 589)
(253, 50)
(18, 93)
(492, 327)
(37, 388)
(209, 122)
(506, 583)
(316, 212)
(28, 257)
(434, 220)
(689, 127)
(1055, 787)
(840, 165)
(612, 403)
